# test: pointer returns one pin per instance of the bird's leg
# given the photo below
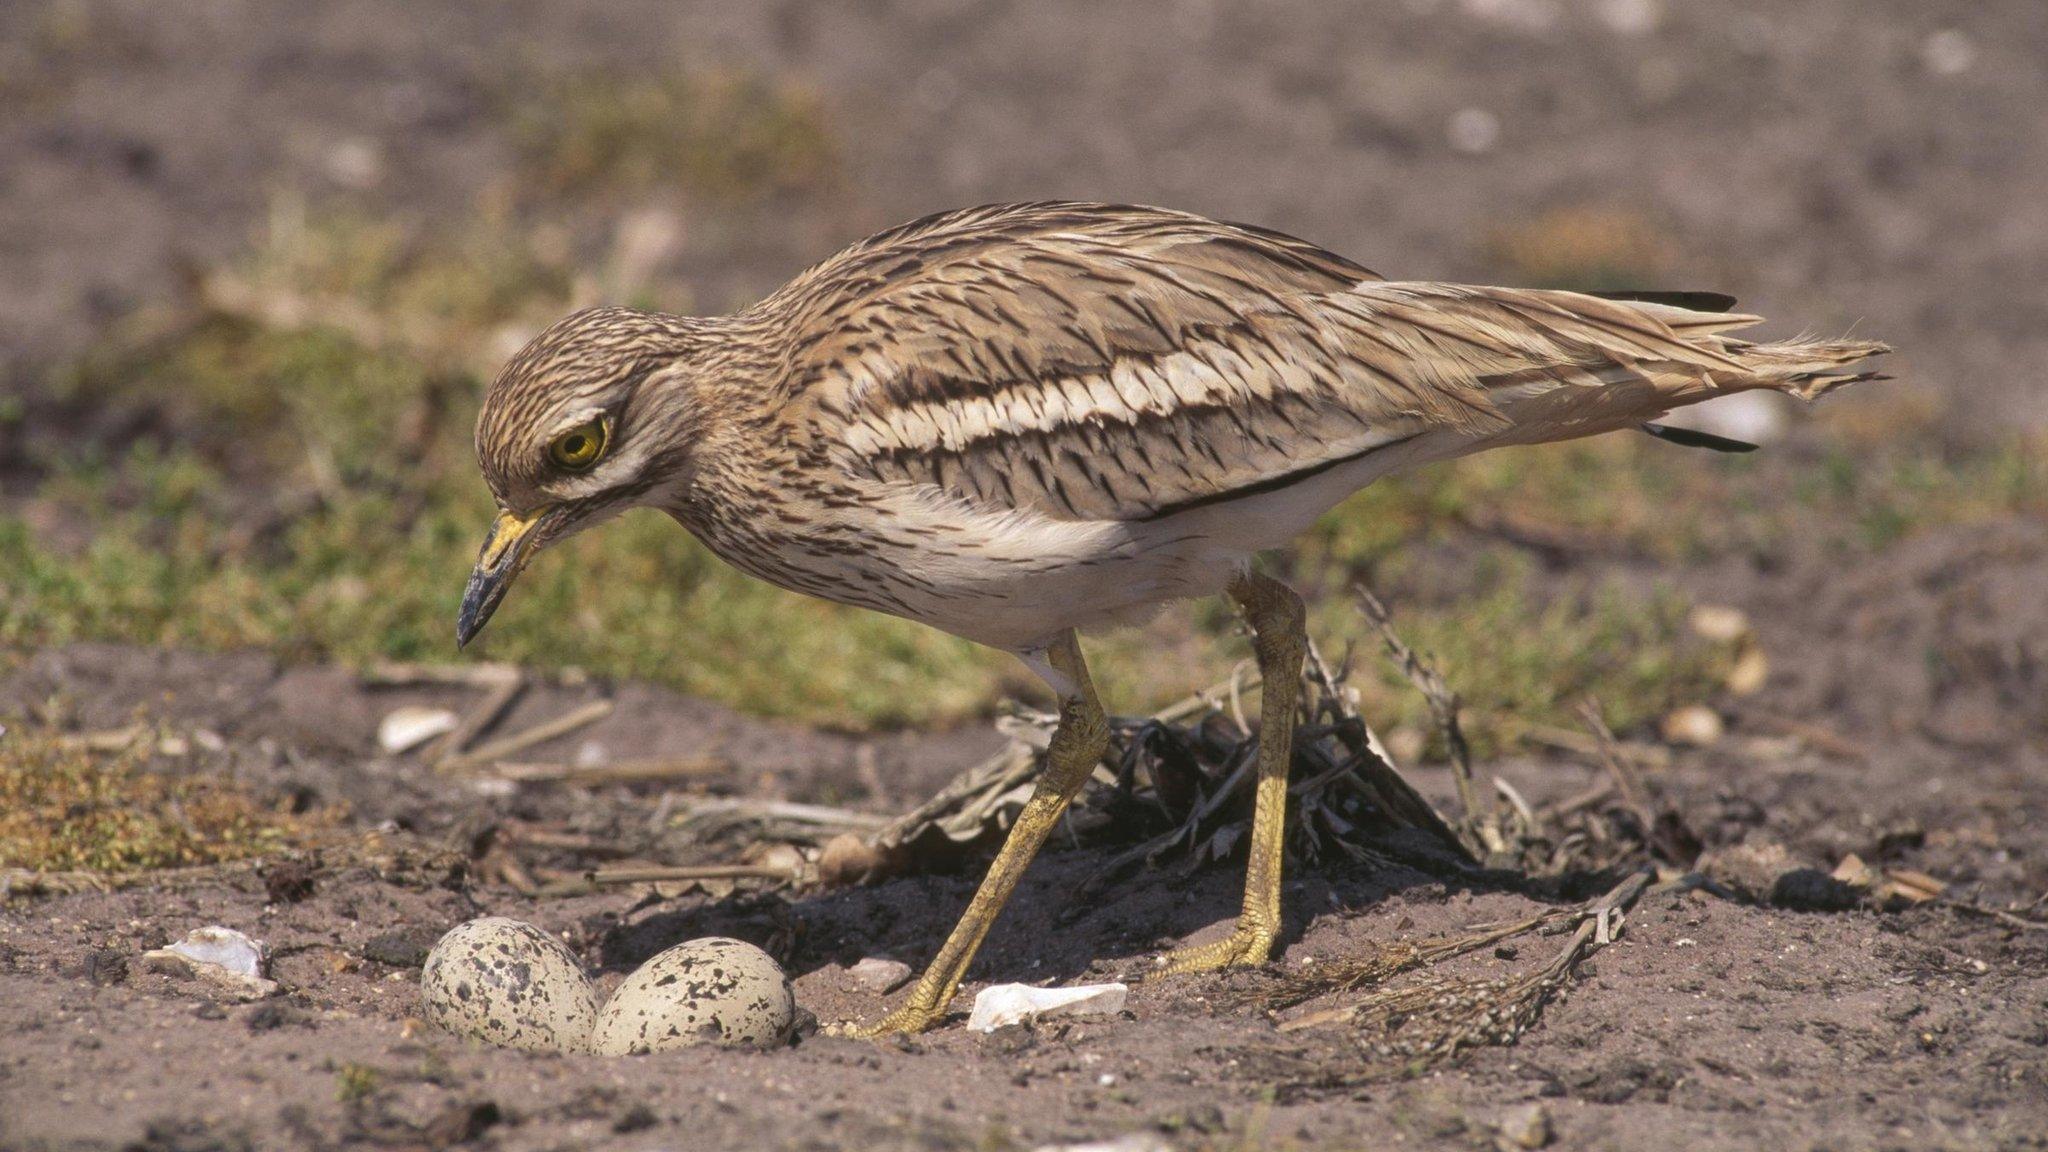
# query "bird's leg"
(1280, 639)
(1076, 748)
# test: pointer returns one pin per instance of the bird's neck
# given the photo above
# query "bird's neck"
(718, 401)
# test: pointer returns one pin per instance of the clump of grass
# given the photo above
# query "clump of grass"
(354, 1083)
(66, 808)
(1521, 656)
(719, 135)
(1586, 248)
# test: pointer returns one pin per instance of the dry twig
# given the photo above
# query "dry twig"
(519, 742)
(1405, 1029)
(1443, 703)
(618, 772)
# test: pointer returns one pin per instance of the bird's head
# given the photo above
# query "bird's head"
(584, 423)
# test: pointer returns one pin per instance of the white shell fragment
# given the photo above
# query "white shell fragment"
(404, 729)
(232, 961)
(508, 984)
(225, 948)
(1004, 1004)
(715, 990)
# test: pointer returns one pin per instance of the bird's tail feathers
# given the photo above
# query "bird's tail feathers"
(1805, 367)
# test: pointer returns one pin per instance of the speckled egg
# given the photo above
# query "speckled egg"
(510, 984)
(715, 990)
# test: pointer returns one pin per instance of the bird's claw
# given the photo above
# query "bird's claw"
(1247, 947)
(908, 1020)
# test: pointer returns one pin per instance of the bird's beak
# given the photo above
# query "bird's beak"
(505, 552)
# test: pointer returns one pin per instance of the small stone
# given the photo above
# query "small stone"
(460, 1123)
(1526, 1127)
(1855, 873)
(1406, 745)
(1694, 725)
(1719, 623)
(405, 947)
(1948, 52)
(846, 859)
(357, 163)
(1473, 131)
(880, 974)
(1750, 672)
(1812, 890)
(638, 1118)
(1631, 17)
(272, 1015)
(104, 966)
(288, 881)
(1751, 868)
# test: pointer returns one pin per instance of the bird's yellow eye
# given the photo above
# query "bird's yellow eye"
(579, 447)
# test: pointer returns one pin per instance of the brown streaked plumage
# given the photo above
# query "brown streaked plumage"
(1018, 422)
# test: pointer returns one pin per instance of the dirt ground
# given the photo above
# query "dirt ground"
(1875, 166)
(1714, 1022)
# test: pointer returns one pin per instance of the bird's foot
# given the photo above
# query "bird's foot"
(908, 1020)
(1247, 947)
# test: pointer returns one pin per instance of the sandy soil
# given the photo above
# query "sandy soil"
(1828, 163)
(1715, 1022)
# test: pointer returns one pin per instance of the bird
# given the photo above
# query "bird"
(1019, 423)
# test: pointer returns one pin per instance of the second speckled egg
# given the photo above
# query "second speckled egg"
(715, 990)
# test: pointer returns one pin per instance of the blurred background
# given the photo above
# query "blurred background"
(261, 259)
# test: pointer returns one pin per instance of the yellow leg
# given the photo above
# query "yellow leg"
(1280, 639)
(1076, 748)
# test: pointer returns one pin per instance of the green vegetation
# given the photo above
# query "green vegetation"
(1518, 659)
(723, 136)
(314, 493)
(64, 807)
(354, 1083)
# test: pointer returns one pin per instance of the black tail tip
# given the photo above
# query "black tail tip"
(1696, 301)
(1694, 438)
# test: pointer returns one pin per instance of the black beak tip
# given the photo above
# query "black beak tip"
(479, 600)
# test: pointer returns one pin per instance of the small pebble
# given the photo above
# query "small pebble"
(1694, 725)
(1473, 131)
(1526, 1127)
(406, 947)
(879, 974)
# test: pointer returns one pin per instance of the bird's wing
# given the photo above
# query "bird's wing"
(1105, 363)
